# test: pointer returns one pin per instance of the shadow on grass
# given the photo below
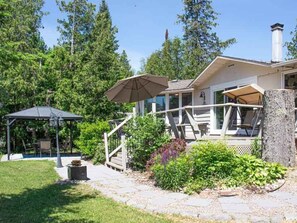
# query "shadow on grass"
(48, 204)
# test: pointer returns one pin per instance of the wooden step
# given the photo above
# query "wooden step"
(119, 154)
(116, 160)
(110, 164)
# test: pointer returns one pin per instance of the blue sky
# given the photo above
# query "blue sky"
(142, 25)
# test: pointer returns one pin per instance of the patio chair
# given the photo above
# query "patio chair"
(28, 147)
(45, 146)
(250, 122)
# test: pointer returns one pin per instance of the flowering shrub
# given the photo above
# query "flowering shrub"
(211, 165)
(167, 152)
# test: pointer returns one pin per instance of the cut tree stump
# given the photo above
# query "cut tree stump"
(279, 127)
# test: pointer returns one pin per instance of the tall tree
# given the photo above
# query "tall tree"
(168, 61)
(292, 45)
(76, 28)
(23, 55)
(202, 44)
(102, 69)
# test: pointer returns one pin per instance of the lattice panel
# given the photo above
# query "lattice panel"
(242, 149)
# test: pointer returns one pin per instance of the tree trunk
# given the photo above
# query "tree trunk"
(279, 127)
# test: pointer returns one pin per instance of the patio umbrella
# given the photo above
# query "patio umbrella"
(137, 88)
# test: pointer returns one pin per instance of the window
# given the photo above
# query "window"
(160, 103)
(186, 100)
(173, 103)
(148, 105)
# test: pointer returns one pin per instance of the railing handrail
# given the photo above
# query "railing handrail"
(209, 106)
(120, 125)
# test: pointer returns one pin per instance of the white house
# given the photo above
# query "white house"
(222, 74)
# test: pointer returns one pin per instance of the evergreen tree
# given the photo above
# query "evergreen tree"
(168, 61)
(76, 28)
(102, 69)
(202, 44)
(292, 45)
(22, 54)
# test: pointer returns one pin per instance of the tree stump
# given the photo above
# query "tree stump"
(279, 127)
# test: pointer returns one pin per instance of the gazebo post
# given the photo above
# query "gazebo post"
(59, 161)
(71, 136)
(8, 140)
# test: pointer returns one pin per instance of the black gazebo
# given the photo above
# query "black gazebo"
(40, 113)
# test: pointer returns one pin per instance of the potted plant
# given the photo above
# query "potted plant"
(76, 171)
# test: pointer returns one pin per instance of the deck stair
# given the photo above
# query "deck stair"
(115, 147)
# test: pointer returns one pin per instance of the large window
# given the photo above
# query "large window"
(186, 100)
(219, 98)
(160, 103)
(173, 103)
(291, 83)
(148, 105)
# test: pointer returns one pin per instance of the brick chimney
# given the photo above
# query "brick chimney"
(277, 42)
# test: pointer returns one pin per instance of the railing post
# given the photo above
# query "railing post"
(226, 120)
(124, 153)
(106, 147)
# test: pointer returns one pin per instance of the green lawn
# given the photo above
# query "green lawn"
(28, 193)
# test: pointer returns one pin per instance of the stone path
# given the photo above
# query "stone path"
(277, 206)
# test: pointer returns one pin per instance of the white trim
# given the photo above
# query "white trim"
(223, 86)
(180, 105)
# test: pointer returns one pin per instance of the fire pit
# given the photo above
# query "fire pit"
(76, 171)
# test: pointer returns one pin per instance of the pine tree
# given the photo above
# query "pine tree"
(76, 28)
(102, 69)
(292, 45)
(202, 44)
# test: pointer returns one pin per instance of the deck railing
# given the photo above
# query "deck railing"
(114, 143)
(227, 114)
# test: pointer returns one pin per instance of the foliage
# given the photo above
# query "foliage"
(29, 192)
(90, 140)
(145, 134)
(292, 45)
(168, 61)
(174, 174)
(167, 152)
(202, 44)
(181, 59)
(256, 147)
(211, 165)
(76, 29)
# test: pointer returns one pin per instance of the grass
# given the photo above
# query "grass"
(29, 193)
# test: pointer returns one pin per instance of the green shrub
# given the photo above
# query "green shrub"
(90, 140)
(212, 160)
(253, 171)
(174, 174)
(213, 165)
(256, 148)
(144, 136)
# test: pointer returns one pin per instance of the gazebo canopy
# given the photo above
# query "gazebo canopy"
(42, 112)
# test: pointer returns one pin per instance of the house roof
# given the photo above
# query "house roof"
(289, 63)
(42, 112)
(177, 85)
(218, 63)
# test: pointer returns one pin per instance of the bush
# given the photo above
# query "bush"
(167, 152)
(90, 141)
(256, 148)
(174, 174)
(144, 136)
(211, 165)
(212, 160)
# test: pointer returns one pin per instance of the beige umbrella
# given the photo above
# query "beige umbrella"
(249, 94)
(137, 88)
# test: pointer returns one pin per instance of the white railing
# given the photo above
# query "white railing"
(121, 146)
(228, 110)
